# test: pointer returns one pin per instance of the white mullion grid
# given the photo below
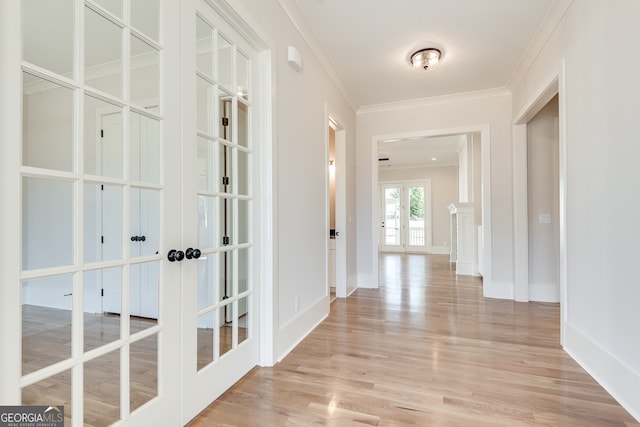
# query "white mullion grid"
(126, 211)
(217, 243)
(77, 326)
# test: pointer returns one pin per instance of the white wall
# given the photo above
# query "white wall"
(542, 199)
(599, 105)
(301, 170)
(452, 114)
(463, 172)
(444, 191)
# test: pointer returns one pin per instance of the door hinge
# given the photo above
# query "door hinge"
(101, 133)
(225, 180)
(225, 240)
(102, 239)
(102, 187)
(225, 121)
(102, 292)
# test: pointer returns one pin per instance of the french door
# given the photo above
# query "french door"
(405, 217)
(128, 289)
(220, 323)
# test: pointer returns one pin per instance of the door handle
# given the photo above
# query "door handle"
(175, 255)
(192, 253)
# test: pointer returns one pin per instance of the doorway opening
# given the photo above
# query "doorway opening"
(455, 163)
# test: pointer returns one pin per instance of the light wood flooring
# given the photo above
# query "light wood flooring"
(426, 349)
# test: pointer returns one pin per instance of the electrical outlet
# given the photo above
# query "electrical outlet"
(297, 304)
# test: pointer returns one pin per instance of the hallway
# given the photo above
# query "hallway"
(425, 349)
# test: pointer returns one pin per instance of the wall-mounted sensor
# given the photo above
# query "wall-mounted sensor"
(294, 58)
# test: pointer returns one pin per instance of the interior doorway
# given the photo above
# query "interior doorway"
(337, 210)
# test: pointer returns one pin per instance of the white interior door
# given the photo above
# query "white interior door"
(220, 292)
(101, 368)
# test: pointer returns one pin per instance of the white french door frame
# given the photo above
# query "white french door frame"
(158, 410)
(404, 245)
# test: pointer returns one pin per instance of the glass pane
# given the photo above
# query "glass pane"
(47, 34)
(102, 390)
(226, 222)
(143, 294)
(113, 6)
(243, 125)
(102, 138)
(226, 276)
(102, 222)
(47, 229)
(206, 280)
(206, 223)
(207, 175)
(416, 216)
(244, 225)
(144, 141)
(243, 319)
(145, 17)
(102, 306)
(46, 321)
(145, 222)
(103, 54)
(226, 114)
(392, 216)
(204, 91)
(205, 339)
(225, 159)
(225, 65)
(242, 76)
(204, 47)
(243, 173)
(143, 371)
(145, 75)
(226, 328)
(53, 391)
(47, 139)
(243, 270)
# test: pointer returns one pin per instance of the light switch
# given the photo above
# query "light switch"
(545, 218)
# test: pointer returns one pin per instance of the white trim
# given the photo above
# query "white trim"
(436, 100)
(297, 18)
(294, 331)
(546, 29)
(10, 195)
(620, 380)
(543, 292)
(489, 288)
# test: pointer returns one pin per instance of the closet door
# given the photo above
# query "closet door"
(79, 62)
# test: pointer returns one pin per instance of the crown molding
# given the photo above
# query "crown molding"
(435, 100)
(547, 27)
(300, 22)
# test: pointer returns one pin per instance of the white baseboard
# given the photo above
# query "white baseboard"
(621, 381)
(501, 290)
(544, 292)
(440, 250)
(291, 334)
(367, 281)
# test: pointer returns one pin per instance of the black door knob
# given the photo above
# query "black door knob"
(192, 253)
(175, 255)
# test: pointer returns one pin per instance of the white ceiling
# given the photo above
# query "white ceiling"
(366, 45)
(369, 43)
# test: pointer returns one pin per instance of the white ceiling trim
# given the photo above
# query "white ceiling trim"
(311, 38)
(543, 34)
(436, 100)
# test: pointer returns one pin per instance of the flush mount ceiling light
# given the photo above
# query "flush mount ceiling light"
(426, 59)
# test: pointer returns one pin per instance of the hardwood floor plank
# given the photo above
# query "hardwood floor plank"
(425, 349)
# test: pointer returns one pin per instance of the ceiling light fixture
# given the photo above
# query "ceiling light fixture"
(426, 59)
